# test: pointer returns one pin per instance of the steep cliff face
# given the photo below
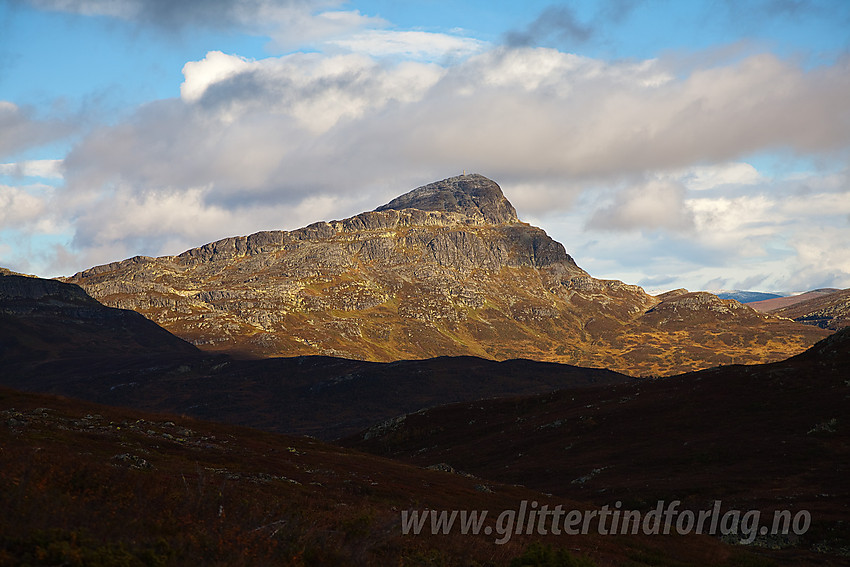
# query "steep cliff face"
(446, 269)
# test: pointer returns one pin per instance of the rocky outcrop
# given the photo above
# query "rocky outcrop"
(671, 294)
(474, 196)
(685, 306)
(446, 269)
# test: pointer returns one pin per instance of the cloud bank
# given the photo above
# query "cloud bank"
(21, 129)
(641, 167)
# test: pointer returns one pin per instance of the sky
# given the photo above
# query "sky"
(665, 143)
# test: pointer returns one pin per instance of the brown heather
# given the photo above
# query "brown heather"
(88, 485)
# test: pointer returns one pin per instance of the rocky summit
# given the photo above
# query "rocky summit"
(472, 195)
(446, 269)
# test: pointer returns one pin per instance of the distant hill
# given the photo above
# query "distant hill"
(824, 309)
(746, 296)
(770, 305)
(447, 269)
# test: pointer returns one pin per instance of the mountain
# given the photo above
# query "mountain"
(764, 437)
(446, 269)
(769, 305)
(746, 296)
(55, 338)
(825, 308)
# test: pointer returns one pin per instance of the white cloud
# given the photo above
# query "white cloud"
(550, 71)
(780, 234)
(816, 205)
(317, 91)
(655, 204)
(47, 168)
(656, 161)
(169, 222)
(742, 225)
(21, 129)
(214, 68)
(782, 239)
(576, 123)
(154, 212)
(701, 178)
(19, 207)
(819, 265)
(418, 45)
(290, 29)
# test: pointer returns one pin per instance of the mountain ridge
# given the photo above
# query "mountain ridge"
(759, 437)
(460, 276)
(769, 305)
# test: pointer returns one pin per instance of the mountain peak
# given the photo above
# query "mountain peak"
(473, 195)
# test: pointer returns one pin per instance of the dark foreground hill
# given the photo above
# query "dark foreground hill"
(46, 320)
(447, 269)
(89, 485)
(767, 437)
(55, 338)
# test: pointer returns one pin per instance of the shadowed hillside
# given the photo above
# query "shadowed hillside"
(89, 485)
(43, 320)
(765, 437)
